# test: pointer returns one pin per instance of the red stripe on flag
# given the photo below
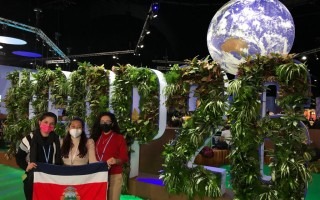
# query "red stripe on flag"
(89, 191)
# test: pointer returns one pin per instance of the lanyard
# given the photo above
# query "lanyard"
(104, 149)
(72, 157)
(45, 154)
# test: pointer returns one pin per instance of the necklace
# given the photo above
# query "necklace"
(45, 153)
(104, 149)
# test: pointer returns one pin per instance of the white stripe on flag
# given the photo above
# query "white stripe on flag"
(40, 177)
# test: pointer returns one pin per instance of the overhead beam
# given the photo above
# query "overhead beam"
(36, 31)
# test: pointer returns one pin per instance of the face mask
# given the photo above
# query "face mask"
(44, 128)
(75, 132)
(106, 127)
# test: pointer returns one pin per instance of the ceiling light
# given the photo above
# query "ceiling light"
(155, 6)
(304, 58)
(12, 40)
(27, 54)
(148, 32)
(154, 9)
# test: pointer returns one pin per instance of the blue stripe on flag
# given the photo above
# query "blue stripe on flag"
(71, 170)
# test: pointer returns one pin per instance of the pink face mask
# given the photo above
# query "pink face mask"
(46, 128)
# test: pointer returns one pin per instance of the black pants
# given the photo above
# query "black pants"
(28, 186)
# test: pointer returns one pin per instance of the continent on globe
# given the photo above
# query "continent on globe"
(234, 45)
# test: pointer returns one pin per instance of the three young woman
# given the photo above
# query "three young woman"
(106, 144)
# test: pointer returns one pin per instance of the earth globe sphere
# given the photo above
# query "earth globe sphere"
(249, 27)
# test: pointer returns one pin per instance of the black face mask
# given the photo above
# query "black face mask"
(106, 127)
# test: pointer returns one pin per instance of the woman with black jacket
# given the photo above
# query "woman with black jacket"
(42, 145)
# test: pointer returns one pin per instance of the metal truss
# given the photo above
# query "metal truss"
(36, 31)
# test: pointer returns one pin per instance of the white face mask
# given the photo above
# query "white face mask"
(75, 132)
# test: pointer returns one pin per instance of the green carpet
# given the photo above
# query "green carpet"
(313, 187)
(11, 186)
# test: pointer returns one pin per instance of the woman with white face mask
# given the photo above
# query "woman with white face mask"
(76, 148)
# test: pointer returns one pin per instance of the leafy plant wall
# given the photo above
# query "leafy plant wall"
(77, 93)
(141, 126)
(65, 93)
(59, 89)
(288, 167)
(289, 171)
(42, 80)
(136, 126)
(17, 102)
(204, 122)
(88, 85)
(97, 82)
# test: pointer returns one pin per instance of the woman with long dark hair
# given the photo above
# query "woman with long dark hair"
(111, 147)
(76, 148)
(42, 145)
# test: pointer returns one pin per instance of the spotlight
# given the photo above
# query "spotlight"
(317, 58)
(155, 7)
(141, 46)
(154, 15)
(148, 32)
(136, 53)
(304, 58)
(115, 57)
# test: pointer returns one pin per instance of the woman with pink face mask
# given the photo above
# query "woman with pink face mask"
(76, 148)
(42, 145)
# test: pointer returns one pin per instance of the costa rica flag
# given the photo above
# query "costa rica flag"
(56, 182)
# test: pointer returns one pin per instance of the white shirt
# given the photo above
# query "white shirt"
(227, 135)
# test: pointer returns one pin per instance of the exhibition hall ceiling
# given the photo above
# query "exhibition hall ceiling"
(95, 30)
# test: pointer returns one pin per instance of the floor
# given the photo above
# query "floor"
(11, 183)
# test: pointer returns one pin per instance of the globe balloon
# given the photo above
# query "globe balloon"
(249, 27)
